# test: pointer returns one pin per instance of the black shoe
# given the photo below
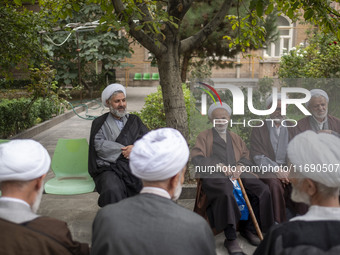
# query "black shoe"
(233, 247)
(251, 238)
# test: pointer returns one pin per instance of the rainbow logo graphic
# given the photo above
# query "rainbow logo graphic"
(208, 92)
(204, 97)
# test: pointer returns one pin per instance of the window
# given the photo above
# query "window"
(284, 42)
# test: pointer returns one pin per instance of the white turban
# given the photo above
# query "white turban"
(109, 90)
(317, 93)
(269, 100)
(159, 155)
(215, 106)
(320, 152)
(23, 160)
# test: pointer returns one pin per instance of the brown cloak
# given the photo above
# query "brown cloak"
(43, 235)
(303, 125)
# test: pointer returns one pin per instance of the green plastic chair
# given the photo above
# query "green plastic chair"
(70, 166)
(138, 76)
(146, 76)
(155, 76)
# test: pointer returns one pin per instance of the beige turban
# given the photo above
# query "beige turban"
(109, 90)
(317, 93)
(23, 160)
(159, 155)
(218, 105)
(318, 155)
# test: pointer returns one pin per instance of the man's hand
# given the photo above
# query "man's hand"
(327, 131)
(283, 176)
(126, 151)
(237, 173)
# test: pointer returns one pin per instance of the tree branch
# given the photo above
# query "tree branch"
(178, 8)
(197, 39)
(143, 38)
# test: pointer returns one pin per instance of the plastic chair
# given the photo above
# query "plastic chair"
(70, 166)
(138, 76)
(155, 76)
(146, 76)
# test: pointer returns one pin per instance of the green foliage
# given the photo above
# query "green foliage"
(19, 39)
(221, 43)
(13, 84)
(320, 13)
(152, 113)
(251, 31)
(12, 119)
(320, 59)
(97, 44)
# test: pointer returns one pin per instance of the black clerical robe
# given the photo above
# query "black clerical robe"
(115, 182)
(215, 199)
(302, 237)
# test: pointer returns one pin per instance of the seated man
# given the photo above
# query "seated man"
(320, 120)
(111, 140)
(218, 146)
(23, 167)
(316, 232)
(268, 149)
(150, 223)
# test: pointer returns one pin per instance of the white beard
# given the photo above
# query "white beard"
(178, 190)
(300, 197)
(37, 200)
(221, 129)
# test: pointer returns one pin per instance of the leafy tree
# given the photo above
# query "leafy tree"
(214, 50)
(321, 13)
(156, 26)
(19, 39)
(317, 65)
(75, 59)
(319, 59)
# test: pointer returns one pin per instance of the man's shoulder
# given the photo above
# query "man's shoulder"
(205, 133)
(44, 221)
(333, 118)
(101, 118)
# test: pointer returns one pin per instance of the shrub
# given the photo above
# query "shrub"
(153, 115)
(14, 118)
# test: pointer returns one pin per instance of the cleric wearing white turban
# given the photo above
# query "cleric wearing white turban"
(215, 106)
(23, 167)
(111, 89)
(315, 178)
(320, 120)
(315, 158)
(111, 140)
(159, 155)
(23, 160)
(151, 223)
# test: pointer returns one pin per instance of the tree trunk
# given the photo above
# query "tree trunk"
(173, 98)
(185, 65)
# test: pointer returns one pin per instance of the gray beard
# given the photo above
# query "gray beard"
(37, 200)
(178, 191)
(117, 113)
(300, 197)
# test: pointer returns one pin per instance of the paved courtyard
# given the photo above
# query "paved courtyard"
(79, 210)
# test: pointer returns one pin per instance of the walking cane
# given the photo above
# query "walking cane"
(251, 212)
